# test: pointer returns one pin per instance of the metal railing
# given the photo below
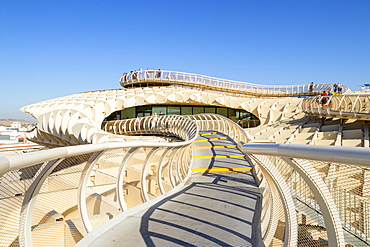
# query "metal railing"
(174, 125)
(161, 124)
(221, 124)
(343, 217)
(59, 195)
(216, 84)
(344, 106)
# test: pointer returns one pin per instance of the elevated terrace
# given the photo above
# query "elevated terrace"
(143, 78)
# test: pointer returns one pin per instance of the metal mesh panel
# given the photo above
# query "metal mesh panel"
(311, 227)
(311, 230)
(165, 174)
(348, 186)
(13, 186)
(100, 198)
(310, 233)
(278, 239)
(353, 210)
(152, 176)
(57, 202)
(55, 217)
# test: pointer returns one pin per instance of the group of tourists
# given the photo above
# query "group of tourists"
(337, 88)
(153, 120)
(324, 99)
(134, 74)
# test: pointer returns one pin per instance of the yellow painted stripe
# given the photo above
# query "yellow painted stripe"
(222, 172)
(205, 134)
(211, 139)
(220, 169)
(230, 146)
(220, 156)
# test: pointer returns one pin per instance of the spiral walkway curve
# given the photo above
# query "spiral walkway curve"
(219, 205)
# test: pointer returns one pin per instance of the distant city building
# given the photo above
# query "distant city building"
(14, 133)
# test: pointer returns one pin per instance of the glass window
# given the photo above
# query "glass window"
(210, 109)
(144, 111)
(128, 113)
(186, 110)
(222, 111)
(158, 109)
(198, 110)
(244, 115)
(232, 114)
(173, 110)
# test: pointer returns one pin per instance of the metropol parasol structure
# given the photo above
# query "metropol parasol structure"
(109, 152)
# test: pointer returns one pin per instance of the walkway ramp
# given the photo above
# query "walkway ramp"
(219, 206)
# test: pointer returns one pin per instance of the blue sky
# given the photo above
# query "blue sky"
(50, 49)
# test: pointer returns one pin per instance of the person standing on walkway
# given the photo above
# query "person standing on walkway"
(324, 99)
(124, 77)
(137, 122)
(134, 75)
(153, 121)
(161, 118)
(158, 75)
(311, 87)
(335, 87)
(339, 88)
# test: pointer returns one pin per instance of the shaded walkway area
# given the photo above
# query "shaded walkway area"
(220, 206)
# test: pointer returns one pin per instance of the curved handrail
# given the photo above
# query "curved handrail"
(225, 125)
(217, 84)
(175, 125)
(44, 162)
(341, 106)
(335, 154)
(184, 127)
(178, 160)
(298, 158)
(162, 124)
(19, 161)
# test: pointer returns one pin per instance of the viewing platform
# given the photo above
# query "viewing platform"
(150, 77)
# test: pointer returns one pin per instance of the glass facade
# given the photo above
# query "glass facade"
(222, 111)
(128, 113)
(210, 109)
(173, 110)
(186, 110)
(244, 118)
(158, 109)
(198, 110)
